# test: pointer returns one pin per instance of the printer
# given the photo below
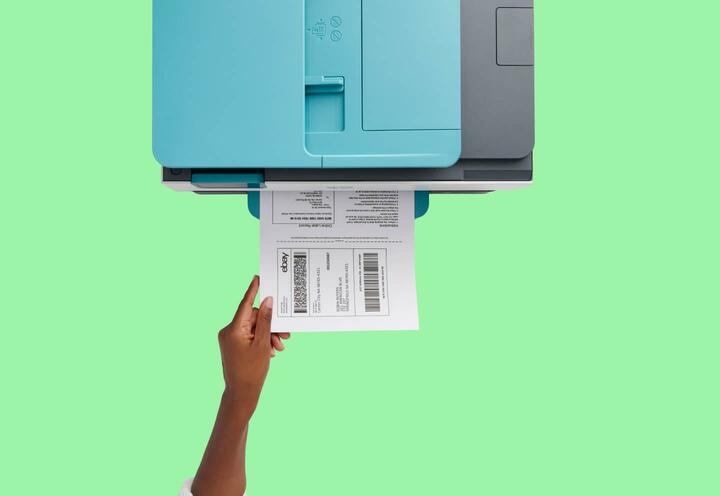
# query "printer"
(433, 96)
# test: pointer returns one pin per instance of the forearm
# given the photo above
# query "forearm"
(222, 470)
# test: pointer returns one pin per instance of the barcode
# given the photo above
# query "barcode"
(371, 282)
(300, 282)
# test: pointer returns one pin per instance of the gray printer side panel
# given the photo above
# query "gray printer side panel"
(498, 87)
(498, 129)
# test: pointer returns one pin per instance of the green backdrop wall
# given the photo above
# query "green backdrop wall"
(569, 341)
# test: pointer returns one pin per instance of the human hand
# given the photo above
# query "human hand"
(246, 346)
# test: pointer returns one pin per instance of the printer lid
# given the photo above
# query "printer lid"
(319, 83)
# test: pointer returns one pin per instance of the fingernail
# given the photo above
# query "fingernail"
(269, 302)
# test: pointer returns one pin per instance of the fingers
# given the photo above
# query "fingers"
(284, 335)
(244, 311)
(264, 323)
(277, 343)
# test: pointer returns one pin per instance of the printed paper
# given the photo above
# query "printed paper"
(339, 261)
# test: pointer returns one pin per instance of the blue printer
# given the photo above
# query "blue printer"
(424, 95)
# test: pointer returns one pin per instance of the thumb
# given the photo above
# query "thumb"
(264, 322)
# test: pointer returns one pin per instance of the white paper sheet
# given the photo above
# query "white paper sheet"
(339, 261)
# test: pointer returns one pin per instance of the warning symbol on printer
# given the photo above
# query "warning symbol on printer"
(336, 35)
(336, 21)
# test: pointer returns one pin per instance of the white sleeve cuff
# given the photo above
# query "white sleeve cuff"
(186, 490)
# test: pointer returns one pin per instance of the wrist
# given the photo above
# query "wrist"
(238, 403)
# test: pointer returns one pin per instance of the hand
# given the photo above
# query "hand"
(276, 339)
(246, 346)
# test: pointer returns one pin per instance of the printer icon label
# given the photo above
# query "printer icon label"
(319, 29)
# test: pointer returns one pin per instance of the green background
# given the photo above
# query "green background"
(570, 331)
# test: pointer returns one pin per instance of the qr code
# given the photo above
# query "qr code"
(300, 260)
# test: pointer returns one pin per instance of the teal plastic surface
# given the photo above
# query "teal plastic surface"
(252, 180)
(254, 204)
(229, 84)
(320, 83)
(422, 203)
(400, 93)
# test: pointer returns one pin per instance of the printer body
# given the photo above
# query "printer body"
(434, 96)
